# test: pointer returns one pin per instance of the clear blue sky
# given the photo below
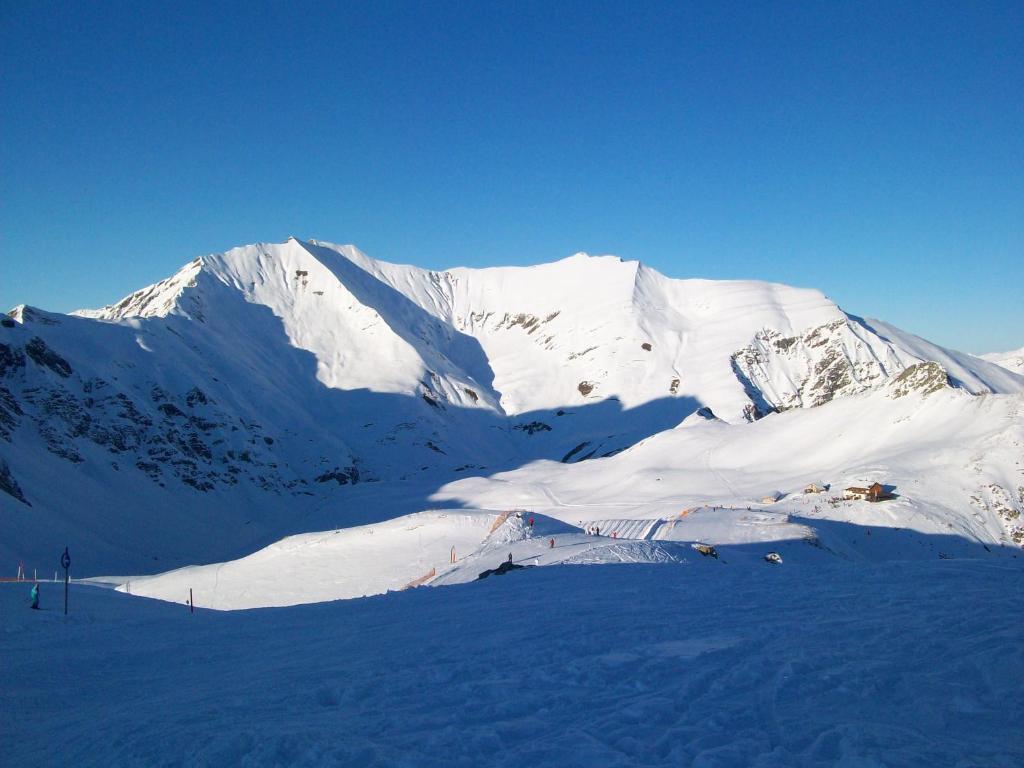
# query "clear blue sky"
(874, 151)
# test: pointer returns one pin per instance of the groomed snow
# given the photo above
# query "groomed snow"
(434, 548)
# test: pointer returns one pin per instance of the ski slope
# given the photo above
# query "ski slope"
(331, 565)
(700, 663)
(283, 430)
(432, 548)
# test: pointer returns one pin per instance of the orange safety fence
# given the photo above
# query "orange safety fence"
(421, 580)
(497, 523)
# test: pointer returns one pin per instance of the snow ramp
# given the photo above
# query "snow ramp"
(330, 565)
(714, 525)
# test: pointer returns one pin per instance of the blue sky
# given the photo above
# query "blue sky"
(874, 151)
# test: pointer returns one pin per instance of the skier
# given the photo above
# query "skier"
(35, 596)
(552, 544)
(531, 522)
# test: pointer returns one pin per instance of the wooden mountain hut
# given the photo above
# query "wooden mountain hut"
(874, 492)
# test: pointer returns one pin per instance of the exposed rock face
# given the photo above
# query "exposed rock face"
(508, 321)
(923, 378)
(833, 360)
(11, 359)
(9, 413)
(43, 355)
(343, 476)
(164, 435)
(9, 485)
(533, 427)
(576, 454)
(278, 371)
(995, 499)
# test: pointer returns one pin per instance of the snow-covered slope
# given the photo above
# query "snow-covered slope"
(1011, 361)
(330, 565)
(692, 664)
(430, 426)
(435, 548)
(954, 461)
(540, 338)
(242, 399)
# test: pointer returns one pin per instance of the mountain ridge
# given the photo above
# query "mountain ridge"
(238, 398)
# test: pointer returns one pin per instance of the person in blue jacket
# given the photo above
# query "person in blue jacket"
(35, 596)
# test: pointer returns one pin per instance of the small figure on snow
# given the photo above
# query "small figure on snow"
(510, 557)
(531, 522)
(552, 542)
(35, 596)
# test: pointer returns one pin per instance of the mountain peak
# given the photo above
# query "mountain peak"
(584, 257)
(293, 368)
(157, 300)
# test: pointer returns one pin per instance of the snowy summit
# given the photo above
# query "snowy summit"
(297, 423)
(259, 392)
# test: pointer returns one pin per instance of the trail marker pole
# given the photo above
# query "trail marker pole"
(191, 605)
(65, 561)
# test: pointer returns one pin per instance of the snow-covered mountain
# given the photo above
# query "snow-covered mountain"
(1011, 361)
(278, 387)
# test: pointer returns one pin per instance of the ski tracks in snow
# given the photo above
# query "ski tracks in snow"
(908, 664)
(717, 473)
